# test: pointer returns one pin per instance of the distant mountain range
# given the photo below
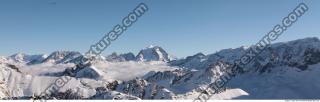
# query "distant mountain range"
(151, 53)
(287, 70)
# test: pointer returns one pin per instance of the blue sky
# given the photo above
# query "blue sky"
(181, 27)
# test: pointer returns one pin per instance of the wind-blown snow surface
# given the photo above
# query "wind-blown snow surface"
(288, 70)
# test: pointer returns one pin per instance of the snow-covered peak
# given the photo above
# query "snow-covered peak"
(153, 53)
(3, 59)
(18, 57)
(26, 59)
(150, 46)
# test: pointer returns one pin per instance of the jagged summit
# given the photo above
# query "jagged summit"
(153, 53)
(62, 56)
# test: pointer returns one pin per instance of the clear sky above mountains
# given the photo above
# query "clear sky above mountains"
(181, 27)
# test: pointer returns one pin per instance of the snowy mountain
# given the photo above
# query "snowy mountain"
(26, 59)
(290, 69)
(89, 72)
(298, 53)
(4, 91)
(201, 61)
(153, 53)
(128, 56)
(3, 60)
(61, 56)
(190, 61)
(114, 57)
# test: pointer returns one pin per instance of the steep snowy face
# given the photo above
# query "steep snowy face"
(153, 53)
(62, 56)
